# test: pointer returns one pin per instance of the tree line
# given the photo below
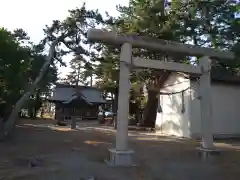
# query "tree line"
(28, 70)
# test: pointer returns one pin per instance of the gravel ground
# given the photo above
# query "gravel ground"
(43, 151)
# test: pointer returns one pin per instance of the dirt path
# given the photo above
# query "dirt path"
(41, 151)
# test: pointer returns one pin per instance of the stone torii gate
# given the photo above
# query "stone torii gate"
(121, 155)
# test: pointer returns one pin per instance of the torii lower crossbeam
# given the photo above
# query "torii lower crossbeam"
(163, 65)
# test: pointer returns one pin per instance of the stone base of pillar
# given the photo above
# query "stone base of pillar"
(120, 158)
(208, 154)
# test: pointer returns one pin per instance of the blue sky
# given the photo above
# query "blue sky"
(33, 15)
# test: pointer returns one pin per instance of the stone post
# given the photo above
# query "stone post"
(73, 123)
(122, 156)
(206, 103)
(123, 97)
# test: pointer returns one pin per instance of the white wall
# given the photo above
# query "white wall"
(225, 110)
(172, 120)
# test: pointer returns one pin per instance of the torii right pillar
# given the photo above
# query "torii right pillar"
(206, 107)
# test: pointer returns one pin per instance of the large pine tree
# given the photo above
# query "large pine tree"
(203, 23)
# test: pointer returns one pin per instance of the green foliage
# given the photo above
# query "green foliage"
(13, 62)
(203, 23)
(20, 63)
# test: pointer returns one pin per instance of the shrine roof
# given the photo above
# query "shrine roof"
(67, 93)
(220, 75)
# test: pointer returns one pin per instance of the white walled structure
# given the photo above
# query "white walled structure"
(182, 117)
(174, 117)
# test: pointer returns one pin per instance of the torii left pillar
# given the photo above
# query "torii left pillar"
(121, 155)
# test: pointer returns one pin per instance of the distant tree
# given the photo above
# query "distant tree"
(77, 24)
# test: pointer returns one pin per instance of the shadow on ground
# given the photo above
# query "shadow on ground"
(43, 151)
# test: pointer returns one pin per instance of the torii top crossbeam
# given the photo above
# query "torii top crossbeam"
(157, 44)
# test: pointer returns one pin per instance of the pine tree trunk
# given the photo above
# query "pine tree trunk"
(115, 108)
(150, 112)
(30, 112)
(35, 112)
(9, 124)
(115, 103)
